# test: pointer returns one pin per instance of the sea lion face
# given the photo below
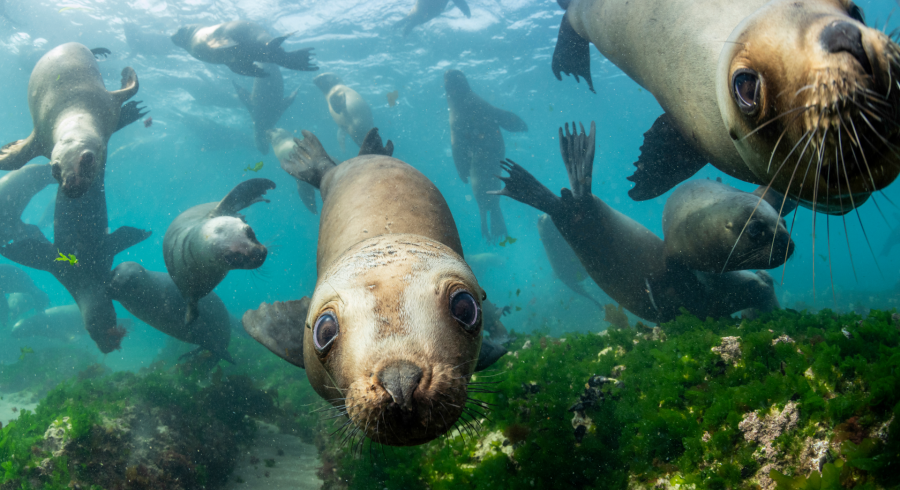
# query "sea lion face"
(755, 237)
(396, 325)
(75, 161)
(326, 81)
(805, 92)
(234, 242)
(183, 37)
(455, 82)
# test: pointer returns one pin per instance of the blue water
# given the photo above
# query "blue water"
(154, 173)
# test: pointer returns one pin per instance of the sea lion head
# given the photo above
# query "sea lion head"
(455, 82)
(326, 81)
(234, 242)
(393, 335)
(182, 38)
(807, 92)
(76, 159)
(750, 234)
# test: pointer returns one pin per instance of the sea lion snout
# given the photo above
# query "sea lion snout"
(400, 380)
(75, 178)
(842, 36)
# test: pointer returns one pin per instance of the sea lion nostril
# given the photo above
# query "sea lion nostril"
(845, 36)
(400, 380)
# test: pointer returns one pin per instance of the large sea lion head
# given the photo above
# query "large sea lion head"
(393, 335)
(455, 83)
(326, 81)
(234, 242)
(809, 96)
(76, 159)
(182, 38)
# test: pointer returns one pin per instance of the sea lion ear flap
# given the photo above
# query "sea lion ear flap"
(279, 327)
(666, 160)
(243, 195)
(489, 354)
(372, 145)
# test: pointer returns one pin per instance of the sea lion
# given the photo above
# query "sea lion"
(348, 109)
(15, 280)
(478, 147)
(565, 264)
(239, 45)
(794, 95)
(623, 257)
(425, 10)
(57, 323)
(284, 146)
(154, 299)
(74, 116)
(712, 227)
(393, 331)
(266, 103)
(81, 228)
(205, 242)
(16, 190)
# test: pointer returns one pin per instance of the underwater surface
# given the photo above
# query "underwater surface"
(582, 392)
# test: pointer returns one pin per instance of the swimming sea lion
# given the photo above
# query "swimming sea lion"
(623, 257)
(15, 280)
(81, 228)
(74, 117)
(348, 109)
(154, 299)
(565, 264)
(16, 190)
(58, 323)
(205, 242)
(478, 147)
(425, 10)
(266, 103)
(712, 227)
(393, 330)
(794, 94)
(284, 146)
(239, 45)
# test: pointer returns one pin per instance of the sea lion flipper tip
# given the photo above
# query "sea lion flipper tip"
(525, 188)
(572, 54)
(309, 161)
(130, 112)
(243, 195)
(372, 145)
(577, 151)
(279, 327)
(666, 160)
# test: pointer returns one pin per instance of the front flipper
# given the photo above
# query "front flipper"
(666, 160)
(307, 195)
(243, 195)
(489, 354)
(130, 113)
(523, 187)
(572, 55)
(279, 327)
(130, 86)
(247, 68)
(372, 145)
(309, 162)
(37, 253)
(463, 7)
(15, 155)
(98, 52)
(124, 238)
(509, 121)
(577, 151)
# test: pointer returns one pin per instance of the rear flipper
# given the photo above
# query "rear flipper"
(309, 162)
(130, 113)
(577, 151)
(523, 187)
(279, 327)
(372, 145)
(572, 55)
(307, 196)
(294, 60)
(15, 155)
(493, 227)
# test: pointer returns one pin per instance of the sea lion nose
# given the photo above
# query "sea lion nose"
(845, 36)
(400, 380)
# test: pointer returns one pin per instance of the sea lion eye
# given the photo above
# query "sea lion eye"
(465, 309)
(325, 331)
(755, 228)
(745, 90)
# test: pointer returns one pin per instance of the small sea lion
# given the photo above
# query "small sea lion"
(478, 147)
(15, 280)
(266, 103)
(154, 299)
(348, 109)
(425, 10)
(81, 228)
(239, 45)
(205, 242)
(393, 331)
(712, 227)
(74, 116)
(57, 323)
(790, 94)
(284, 146)
(16, 190)
(565, 264)
(623, 257)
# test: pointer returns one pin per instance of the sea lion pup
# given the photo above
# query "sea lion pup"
(284, 146)
(712, 227)
(798, 95)
(425, 10)
(74, 116)
(16, 190)
(205, 242)
(565, 264)
(15, 280)
(348, 109)
(154, 299)
(266, 103)
(393, 330)
(81, 228)
(239, 45)
(623, 257)
(478, 147)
